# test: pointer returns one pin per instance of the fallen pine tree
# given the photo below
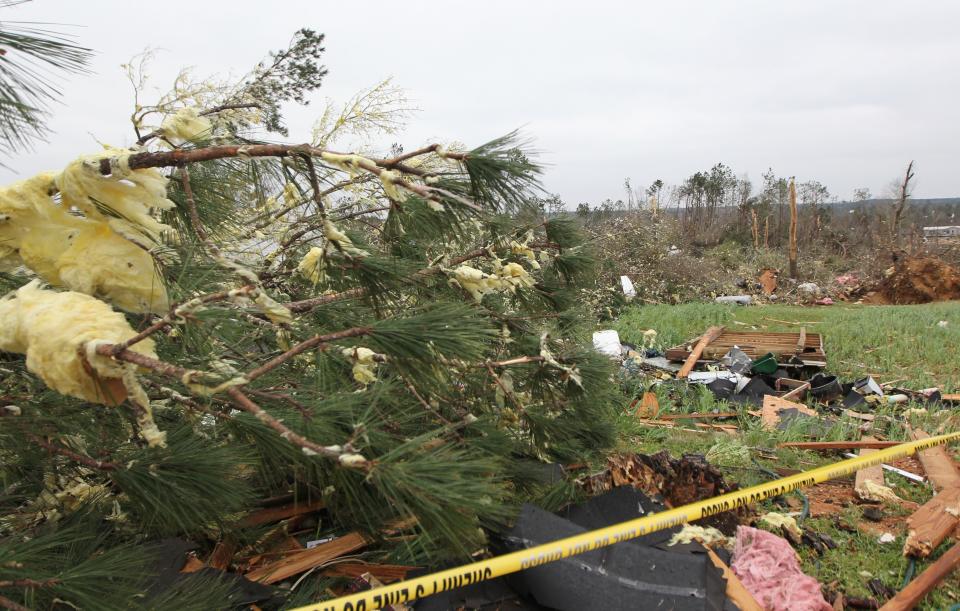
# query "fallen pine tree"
(208, 322)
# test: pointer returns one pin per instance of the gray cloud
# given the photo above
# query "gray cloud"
(842, 92)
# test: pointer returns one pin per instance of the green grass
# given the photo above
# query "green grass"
(892, 343)
(888, 342)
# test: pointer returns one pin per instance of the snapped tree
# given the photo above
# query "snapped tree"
(210, 319)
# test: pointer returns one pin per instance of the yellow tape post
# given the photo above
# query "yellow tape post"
(419, 587)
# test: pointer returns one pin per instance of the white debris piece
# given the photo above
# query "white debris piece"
(607, 343)
(628, 290)
(739, 299)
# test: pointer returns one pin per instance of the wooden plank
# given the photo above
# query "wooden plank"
(839, 445)
(932, 523)
(275, 514)
(772, 406)
(699, 415)
(950, 397)
(736, 591)
(799, 388)
(298, 562)
(708, 336)
(910, 596)
(939, 467)
(872, 474)
(387, 573)
(802, 340)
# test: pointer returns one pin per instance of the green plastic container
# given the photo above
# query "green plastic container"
(766, 364)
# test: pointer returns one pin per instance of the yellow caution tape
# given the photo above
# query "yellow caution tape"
(411, 589)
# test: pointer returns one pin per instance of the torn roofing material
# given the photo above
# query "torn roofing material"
(642, 573)
(629, 575)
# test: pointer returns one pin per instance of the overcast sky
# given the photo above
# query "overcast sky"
(842, 92)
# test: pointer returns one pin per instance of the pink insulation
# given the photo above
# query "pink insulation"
(770, 570)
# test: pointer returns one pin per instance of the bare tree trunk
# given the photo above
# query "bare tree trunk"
(793, 229)
(756, 230)
(901, 204)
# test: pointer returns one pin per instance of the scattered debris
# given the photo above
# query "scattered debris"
(691, 360)
(886, 538)
(785, 346)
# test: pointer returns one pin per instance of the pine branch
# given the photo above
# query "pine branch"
(100, 465)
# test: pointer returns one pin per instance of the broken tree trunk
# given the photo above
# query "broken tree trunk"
(910, 596)
(708, 336)
(792, 253)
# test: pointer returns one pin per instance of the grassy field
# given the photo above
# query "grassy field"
(888, 342)
(906, 344)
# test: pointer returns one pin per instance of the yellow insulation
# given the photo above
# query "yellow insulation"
(50, 327)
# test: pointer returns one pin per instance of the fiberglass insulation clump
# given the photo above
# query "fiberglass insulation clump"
(51, 327)
(103, 253)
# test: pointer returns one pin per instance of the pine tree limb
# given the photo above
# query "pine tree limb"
(341, 453)
(6, 603)
(28, 583)
(100, 465)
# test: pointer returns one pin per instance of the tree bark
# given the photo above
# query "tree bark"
(793, 229)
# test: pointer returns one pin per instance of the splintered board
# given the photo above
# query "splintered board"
(807, 346)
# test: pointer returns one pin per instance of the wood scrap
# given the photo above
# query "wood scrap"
(222, 555)
(192, 565)
(298, 562)
(910, 596)
(699, 415)
(387, 573)
(802, 341)
(736, 591)
(772, 406)
(729, 429)
(932, 523)
(796, 392)
(840, 445)
(649, 406)
(708, 336)
(939, 467)
(275, 514)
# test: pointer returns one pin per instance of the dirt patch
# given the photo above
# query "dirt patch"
(830, 498)
(918, 279)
